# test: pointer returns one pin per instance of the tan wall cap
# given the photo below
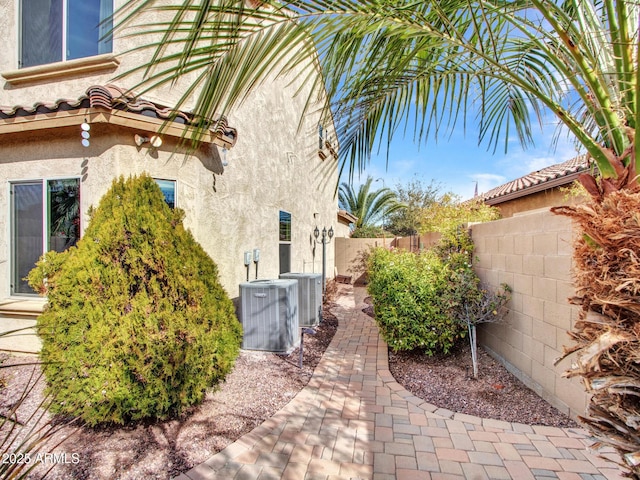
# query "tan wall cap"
(107, 61)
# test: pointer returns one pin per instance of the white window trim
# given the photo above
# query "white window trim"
(57, 70)
(63, 68)
(45, 227)
(285, 242)
(175, 193)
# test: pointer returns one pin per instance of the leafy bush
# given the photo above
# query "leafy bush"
(429, 300)
(137, 324)
(449, 212)
(410, 297)
(472, 304)
(370, 231)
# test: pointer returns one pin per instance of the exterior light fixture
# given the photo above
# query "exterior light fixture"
(155, 141)
(326, 237)
(85, 133)
(225, 162)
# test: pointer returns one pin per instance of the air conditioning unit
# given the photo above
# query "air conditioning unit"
(269, 315)
(309, 297)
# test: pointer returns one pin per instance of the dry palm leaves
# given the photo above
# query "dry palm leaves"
(607, 335)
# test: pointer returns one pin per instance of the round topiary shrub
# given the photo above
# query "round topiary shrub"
(137, 324)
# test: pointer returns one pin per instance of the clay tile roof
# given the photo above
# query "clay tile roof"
(347, 217)
(112, 97)
(42, 107)
(116, 98)
(548, 177)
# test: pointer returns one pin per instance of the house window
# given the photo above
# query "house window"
(168, 188)
(57, 30)
(285, 227)
(285, 242)
(45, 215)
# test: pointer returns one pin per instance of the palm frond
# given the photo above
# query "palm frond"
(385, 64)
(369, 206)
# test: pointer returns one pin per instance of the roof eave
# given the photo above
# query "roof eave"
(134, 121)
(347, 216)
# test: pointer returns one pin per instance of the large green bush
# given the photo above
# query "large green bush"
(411, 300)
(137, 324)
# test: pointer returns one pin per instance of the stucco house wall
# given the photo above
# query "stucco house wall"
(274, 166)
(534, 201)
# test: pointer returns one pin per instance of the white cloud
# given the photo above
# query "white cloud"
(487, 181)
(520, 162)
(458, 163)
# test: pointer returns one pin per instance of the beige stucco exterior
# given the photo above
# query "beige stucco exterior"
(536, 201)
(273, 167)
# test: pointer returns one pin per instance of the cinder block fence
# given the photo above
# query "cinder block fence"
(533, 254)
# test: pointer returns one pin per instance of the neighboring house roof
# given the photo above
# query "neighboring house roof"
(346, 217)
(121, 104)
(553, 176)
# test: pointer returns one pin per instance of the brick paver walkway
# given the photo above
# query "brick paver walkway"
(353, 421)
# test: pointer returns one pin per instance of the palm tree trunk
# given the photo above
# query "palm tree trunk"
(607, 334)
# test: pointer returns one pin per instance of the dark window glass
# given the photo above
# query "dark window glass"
(285, 257)
(64, 214)
(27, 235)
(88, 27)
(41, 35)
(285, 242)
(54, 205)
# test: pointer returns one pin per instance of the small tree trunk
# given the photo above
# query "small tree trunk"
(474, 349)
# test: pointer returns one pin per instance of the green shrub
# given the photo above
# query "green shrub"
(370, 231)
(137, 324)
(410, 297)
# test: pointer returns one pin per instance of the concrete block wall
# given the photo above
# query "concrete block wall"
(532, 253)
(349, 251)
(416, 243)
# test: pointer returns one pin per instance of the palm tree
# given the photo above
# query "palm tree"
(383, 62)
(368, 206)
(507, 63)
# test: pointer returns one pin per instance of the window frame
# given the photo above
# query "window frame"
(45, 220)
(103, 26)
(280, 222)
(175, 190)
(287, 243)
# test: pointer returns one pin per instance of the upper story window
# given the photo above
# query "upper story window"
(58, 30)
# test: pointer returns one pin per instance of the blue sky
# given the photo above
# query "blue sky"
(458, 162)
